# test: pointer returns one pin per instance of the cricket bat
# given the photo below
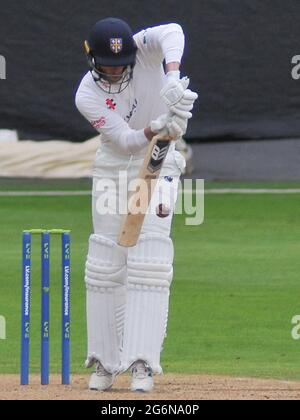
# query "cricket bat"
(149, 173)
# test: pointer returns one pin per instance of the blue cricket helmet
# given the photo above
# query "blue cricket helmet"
(111, 43)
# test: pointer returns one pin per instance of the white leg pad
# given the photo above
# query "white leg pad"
(105, 279)
(150, 273)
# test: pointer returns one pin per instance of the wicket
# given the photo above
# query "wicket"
(45, 304)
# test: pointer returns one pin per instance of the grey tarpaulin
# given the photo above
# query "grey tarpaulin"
(238, 56)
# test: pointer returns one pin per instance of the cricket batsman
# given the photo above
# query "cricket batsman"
(132, 92)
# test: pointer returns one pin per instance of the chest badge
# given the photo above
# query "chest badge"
(111, 104)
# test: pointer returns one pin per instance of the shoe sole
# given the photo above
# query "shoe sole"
(144, 391)
(100, 390)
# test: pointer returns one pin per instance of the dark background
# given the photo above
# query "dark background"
(238, 56)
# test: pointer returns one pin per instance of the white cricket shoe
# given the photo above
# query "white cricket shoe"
(101, 380)
(142, 379)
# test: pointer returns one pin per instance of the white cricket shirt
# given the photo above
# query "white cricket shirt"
(121, 118)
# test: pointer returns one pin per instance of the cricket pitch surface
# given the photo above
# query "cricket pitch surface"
(167, 387)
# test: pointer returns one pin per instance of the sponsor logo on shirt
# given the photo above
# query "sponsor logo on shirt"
(145, 37)
(99, 123)
(133, 109)
(111, 104)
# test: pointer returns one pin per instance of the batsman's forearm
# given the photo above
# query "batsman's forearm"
(174, 66)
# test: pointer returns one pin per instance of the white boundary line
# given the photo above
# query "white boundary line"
(44, 193)
(187, 191)
(253, 191)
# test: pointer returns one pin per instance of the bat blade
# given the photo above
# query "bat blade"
(149, 173)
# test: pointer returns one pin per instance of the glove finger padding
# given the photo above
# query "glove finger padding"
(182, 122)
(189, 96)
(185, 102)
(177, 126)
(185, 105)
(185, 115)
(182, 107)
(182, 111)
(174, 130)
(159, 124)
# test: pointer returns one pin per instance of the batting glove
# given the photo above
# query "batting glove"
(185, 105)
(174, 90)
(177, 126)
(160, 124)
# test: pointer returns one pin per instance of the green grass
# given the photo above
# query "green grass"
(235, 290)
(222, 184)
(32, 184)
(81, 184)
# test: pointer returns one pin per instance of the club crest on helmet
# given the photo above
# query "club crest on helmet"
(116, 45)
